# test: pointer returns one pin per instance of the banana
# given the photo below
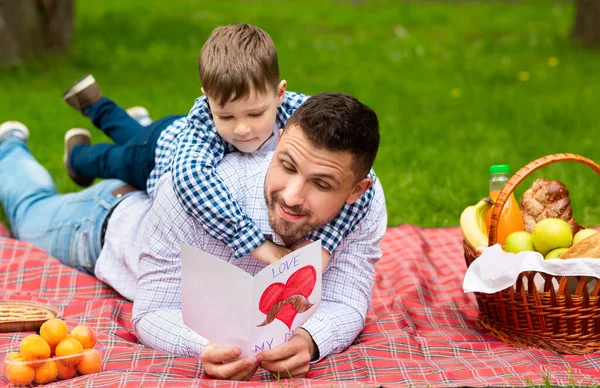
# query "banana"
(472, 223)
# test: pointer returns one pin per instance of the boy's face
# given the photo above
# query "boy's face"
(248, 122)
(306, 187)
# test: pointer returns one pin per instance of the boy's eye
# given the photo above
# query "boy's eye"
(255, 114)
(225, 117)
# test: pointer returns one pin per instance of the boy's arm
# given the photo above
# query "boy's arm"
(202, 192)
(332, 234)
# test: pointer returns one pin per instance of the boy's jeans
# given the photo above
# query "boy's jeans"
(131, 157)
(67, 226)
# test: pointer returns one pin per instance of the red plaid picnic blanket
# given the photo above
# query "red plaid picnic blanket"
(420, 329)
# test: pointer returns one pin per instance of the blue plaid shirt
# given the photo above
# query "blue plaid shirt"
(191, 148)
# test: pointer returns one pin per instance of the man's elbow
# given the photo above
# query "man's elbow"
(137, 315)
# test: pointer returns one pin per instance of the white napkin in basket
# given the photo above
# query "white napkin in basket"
(496, 270)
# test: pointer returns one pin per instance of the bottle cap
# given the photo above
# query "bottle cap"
(499, 168)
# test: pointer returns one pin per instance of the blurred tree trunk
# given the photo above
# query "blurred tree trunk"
(34, 27)
(587, 22)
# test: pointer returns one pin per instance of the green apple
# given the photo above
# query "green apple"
(583, 233)
(555, 253)
(518, 241)
(551, 233)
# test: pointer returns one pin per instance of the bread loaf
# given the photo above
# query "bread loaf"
(589, 247)
(547, 199)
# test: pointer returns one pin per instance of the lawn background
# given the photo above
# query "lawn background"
(457, 86)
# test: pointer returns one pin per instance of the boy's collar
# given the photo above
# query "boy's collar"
(271, 142)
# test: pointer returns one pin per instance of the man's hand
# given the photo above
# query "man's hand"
(269, 252)
(292, 358)
(325, 255)
(225, 364)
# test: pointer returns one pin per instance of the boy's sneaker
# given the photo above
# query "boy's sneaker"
(13, 128)
(73, 137)
(83, 93)
(140, 114)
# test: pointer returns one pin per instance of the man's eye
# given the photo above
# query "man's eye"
(287, 167)
(322, 186)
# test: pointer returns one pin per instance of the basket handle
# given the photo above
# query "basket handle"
(520, 176)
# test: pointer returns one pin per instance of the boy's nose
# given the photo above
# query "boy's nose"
(241, 129)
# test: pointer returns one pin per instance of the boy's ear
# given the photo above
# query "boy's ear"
(202, 89)
(281, 88)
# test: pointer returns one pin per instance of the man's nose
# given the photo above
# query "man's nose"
(294, 193)
(241, 129)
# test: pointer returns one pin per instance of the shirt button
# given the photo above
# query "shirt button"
(196, 155)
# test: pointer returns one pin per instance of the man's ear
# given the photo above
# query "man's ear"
(281, 88)
(358, 190)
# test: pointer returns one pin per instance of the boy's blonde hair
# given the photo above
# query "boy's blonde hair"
(235, 60)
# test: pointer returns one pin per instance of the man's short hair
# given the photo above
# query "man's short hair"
(235, 60)
(339, 122)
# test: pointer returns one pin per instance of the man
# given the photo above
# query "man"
(320, 165)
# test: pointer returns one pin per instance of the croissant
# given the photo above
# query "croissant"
(547, 199)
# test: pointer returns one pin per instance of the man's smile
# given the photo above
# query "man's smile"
(289, 215)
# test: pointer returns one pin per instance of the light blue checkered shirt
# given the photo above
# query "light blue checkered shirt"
(191, 148)
(157, 319)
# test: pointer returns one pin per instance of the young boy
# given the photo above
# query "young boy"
(243, 107)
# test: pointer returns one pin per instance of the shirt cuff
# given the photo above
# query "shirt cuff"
(247, 239)
(321, 334)
(330, 238)
(196, 344)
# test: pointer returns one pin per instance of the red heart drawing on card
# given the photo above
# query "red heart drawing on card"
(285, 301)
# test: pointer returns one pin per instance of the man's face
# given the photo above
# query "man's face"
(306, 187)
(248, 122)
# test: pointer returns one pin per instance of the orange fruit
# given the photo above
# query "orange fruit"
(53, 330)
(19, 374)
(46, 373)
(68, 347)
(33, 347)
(65, 371)
(91, 362)
(11, 356)
(84, 334)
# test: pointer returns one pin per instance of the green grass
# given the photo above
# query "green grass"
(443, 78)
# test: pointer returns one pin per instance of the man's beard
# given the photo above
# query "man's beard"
(293, 231)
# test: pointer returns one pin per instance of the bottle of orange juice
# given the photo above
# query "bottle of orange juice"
(511, 219)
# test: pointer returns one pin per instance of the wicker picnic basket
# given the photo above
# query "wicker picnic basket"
(563, 319)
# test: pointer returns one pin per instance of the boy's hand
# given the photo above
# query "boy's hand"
(225, 364)
(325, 255)
(269, 252)
(292, 358)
